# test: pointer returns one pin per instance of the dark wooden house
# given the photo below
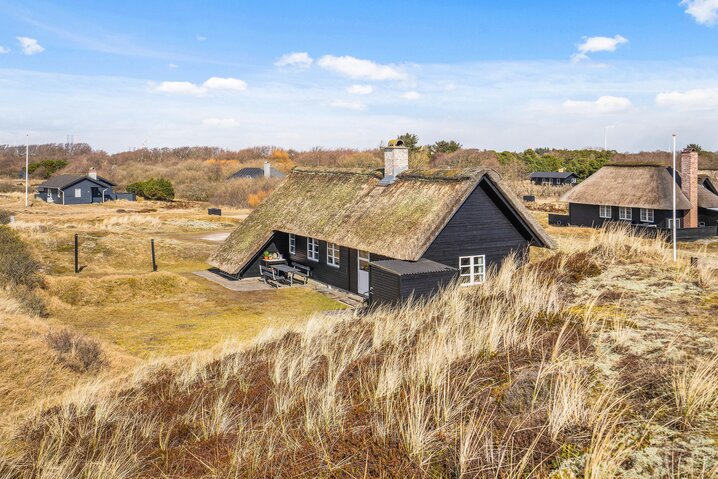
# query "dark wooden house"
(642, 195)
(553, 178)
(267, 171)
(79, 190)
(385, 233)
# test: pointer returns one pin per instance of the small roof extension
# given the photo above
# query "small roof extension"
(405, 268)
(552, 174)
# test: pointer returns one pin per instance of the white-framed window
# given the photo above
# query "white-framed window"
(625, 213)
(292, 243)
(546, 181)
(312, 249)
(333, 254)
(678, 223)
(78, 192)
(647, 215)
(605, 211)
(472, 269)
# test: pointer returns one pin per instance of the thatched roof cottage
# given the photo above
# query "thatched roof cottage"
(643, 195)
(391, 232)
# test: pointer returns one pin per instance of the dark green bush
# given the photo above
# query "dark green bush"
(158, 189)
(46, 168)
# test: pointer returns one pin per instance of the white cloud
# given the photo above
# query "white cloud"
(29, 45)
(360, 89)
(348, 105)
(296, 59)
(4, 50)
(696, 99)
(604, 104)
(411, 95)
(357, 68)
(200, 38)
(220, 122)
(216, 83)
(704, 12)
(180, 88)
(597, 44)
(189, 88)
(172, 66)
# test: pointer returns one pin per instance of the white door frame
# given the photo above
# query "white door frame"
(361, 272)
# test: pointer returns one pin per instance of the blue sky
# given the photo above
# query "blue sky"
(502, 75)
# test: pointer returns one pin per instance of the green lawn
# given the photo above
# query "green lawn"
(158, 315)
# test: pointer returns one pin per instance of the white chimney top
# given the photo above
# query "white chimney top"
(267, 169)
(93, 173)
(396, 160)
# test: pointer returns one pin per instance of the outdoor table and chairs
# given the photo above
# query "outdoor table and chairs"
(279, 272)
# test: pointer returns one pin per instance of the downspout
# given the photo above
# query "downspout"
(103, 194)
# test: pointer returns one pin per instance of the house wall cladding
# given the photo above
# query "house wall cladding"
(85, 186)
(481, 226)
(588, 215)
(384, 286)
(710, 218)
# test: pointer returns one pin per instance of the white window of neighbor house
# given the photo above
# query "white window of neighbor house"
(333, 254)
(604, 211)
(472, 269)
(647, 215)
(78, 192)
(292, 244)
(678, 223)
(625, 213)
(313, 249)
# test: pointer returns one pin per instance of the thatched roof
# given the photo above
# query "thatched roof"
(347, 207)
(706, 198)
(631, 186)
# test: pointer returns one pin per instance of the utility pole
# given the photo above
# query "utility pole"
(27, 169)
(673, 224)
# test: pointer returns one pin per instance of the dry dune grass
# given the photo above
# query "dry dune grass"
(488, 381)
(503, 380)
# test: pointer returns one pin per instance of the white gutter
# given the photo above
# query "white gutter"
(103, 194)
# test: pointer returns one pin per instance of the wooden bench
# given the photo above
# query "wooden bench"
(304, 272)
(269, 276)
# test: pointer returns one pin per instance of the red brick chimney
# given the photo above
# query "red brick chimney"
(689, 186)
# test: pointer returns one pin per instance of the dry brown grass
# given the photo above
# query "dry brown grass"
(515, 378)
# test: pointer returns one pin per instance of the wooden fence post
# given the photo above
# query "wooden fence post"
(154, 263)
(77, 262)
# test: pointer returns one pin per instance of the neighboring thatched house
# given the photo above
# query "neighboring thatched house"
(642, 194)
(268, 171)
(389, 233)
(553, 178)
(79, 189)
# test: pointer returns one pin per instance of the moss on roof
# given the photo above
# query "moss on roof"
(349, 207)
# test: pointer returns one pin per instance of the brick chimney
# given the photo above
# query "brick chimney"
(93, 173)
(689, 186)
(396, 160)
(267, 169)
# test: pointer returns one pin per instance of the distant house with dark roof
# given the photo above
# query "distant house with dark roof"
(268, 171)
(385, 233)
(553, 178)
(643, 195)
(79, 189)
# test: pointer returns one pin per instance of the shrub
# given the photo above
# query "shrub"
(46, 168)
(17, 266)
(78, 353)
(158, 189)
(5, 217)
(30, 301)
